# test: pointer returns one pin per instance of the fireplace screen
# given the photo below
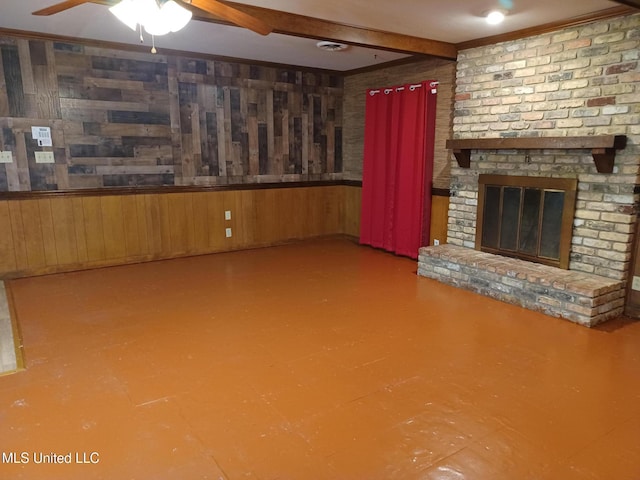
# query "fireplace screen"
(526, 217)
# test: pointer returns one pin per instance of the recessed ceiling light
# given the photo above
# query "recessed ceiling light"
(494, 17)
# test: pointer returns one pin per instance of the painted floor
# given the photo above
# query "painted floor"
(317, 360)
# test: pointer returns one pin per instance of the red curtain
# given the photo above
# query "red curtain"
(398, 167)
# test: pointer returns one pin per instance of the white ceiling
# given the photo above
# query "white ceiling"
(451, 21)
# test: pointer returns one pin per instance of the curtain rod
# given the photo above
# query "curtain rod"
(387, 91)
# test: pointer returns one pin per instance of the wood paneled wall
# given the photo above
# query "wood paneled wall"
(63, 233)
(123, 118)
(439, 217)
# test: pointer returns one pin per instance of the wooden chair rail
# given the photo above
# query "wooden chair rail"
(146, 190)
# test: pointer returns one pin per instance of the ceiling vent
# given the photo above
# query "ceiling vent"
(331, 46)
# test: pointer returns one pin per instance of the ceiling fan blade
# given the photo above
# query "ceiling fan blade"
(232, 15)
(60, 7)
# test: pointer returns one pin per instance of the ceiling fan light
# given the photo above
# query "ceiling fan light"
(157, 26)
(177, 16)
(154, 22)
(127, 12)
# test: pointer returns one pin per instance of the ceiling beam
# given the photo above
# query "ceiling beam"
(308, 27)
(631, 3)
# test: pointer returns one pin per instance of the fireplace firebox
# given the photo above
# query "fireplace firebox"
(530, 218)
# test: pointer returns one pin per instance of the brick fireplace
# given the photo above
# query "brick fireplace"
(578, 82)
(591, 291)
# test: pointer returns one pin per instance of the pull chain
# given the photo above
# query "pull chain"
(153, 40)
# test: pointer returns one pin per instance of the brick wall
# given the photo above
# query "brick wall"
(355, 87)
(579, 81)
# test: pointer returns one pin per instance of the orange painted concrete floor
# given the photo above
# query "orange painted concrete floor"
(316, 360)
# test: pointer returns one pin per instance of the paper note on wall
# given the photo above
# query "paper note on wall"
(42, 135)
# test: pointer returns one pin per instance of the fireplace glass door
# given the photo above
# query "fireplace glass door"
(526, 217)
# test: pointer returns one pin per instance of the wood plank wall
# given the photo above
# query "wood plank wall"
(64, 233)
(124, 118)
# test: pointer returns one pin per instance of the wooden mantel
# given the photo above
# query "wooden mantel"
(603, 147)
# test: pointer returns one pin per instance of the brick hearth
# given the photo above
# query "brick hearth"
(576, 296)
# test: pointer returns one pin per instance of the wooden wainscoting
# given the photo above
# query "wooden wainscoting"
(439, 215)
(57, 233)
(351, 211)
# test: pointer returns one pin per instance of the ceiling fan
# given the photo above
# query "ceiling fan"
(211, 7)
